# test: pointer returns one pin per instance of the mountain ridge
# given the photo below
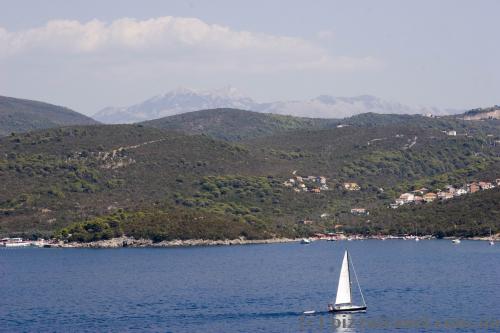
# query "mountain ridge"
(184, 100)
(235, 125)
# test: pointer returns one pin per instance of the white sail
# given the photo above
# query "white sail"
(344, 288)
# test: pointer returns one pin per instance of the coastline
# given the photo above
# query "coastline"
(147, 243)
(122, 242)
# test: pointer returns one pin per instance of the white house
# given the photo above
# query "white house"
(407, 197)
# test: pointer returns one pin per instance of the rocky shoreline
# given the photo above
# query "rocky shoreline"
(122, 242)
(138, 243)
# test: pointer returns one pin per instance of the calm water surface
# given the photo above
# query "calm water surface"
(252, 288)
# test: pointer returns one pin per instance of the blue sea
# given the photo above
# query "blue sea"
(426, 286)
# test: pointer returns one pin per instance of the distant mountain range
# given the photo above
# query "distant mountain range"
(184, 100)
(22, 115)
(178, 101)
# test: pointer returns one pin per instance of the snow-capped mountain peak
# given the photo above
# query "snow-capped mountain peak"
(181, 100)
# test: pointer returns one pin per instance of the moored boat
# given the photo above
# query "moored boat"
(14, 242)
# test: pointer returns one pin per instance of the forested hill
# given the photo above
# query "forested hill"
(100, 181)
(241, 125)
(22, 115)
(236, 125)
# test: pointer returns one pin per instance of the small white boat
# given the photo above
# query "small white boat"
(456, 241)
(343, 300)
(417, 239)
(305, 241)
(310, 312)
(23, 244)
(491, 239)
(15, 242)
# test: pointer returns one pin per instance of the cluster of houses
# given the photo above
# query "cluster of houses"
(314, 184)
(423, 195)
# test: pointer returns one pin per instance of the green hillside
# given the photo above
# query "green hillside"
(96, 182)
(236, 125)
(22, 115)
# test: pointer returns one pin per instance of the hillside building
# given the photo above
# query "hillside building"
(485, 185)
(429, 197)
(407, 197)
(351, 186)
(473, 187)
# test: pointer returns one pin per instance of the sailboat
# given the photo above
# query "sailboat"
(343, 300)
(491, 239)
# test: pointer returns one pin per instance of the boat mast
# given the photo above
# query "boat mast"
(359, 287)
(349, 272)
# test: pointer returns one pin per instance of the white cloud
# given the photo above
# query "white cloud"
(172, 41)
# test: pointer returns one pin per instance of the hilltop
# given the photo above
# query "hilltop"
(482, 113)
(22, 115)
(236, 125)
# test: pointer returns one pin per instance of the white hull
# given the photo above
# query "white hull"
(17, 244)
(347, 308)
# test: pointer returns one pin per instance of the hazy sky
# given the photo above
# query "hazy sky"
(90, 54)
